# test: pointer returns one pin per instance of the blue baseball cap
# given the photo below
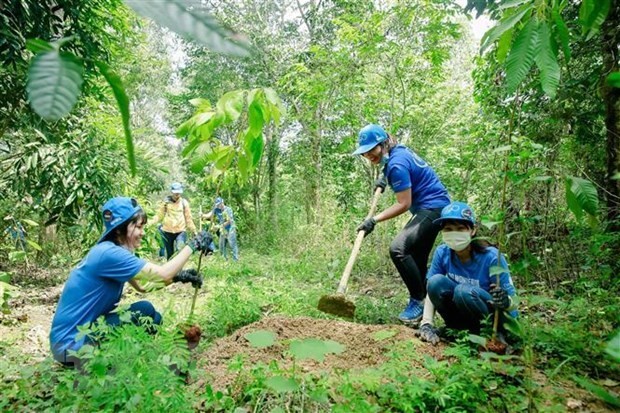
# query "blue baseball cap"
(117, 211)
(370, 136)
(218, 201)
(457, 211)
(176, 188)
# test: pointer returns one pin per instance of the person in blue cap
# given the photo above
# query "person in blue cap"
(176, 219)
(460, 285)
(227, 228)
(419, 191)
(95, 285)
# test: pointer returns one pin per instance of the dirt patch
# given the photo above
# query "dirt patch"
(365, 346)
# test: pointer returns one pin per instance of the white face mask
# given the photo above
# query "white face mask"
(456, 240)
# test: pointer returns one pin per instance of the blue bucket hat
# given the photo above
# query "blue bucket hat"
(457, 211)
(370, 136)
(117, 211)
(176, 188)
(218, 201)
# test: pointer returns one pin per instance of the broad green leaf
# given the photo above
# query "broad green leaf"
(334, 347)
(521, 56)
(592, 14)
(503, 45)
(616, 176)
(563, 34)
(201, 119)
(384, 334)
(201, 105)
(122, 100)
(255, 118)
(224, 157)
(30, 222)
(188, 20)
(581, 196)
(496, 270)
(261, 338)
(277, 107)
(613, 347)
(494, 33)
(542, 178)
(38, 46)
(54, 82)
(184, 129)
(310, 348)
(17, 256)
(547, 62)
(231, 104)
(614, 79)
(513, 325)
(489, 223)
(34, 245)
(5, 277)
(254, 147)
(282, 384)
(476, 339)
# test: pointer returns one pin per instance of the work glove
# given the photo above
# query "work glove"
(203, 242)
(501, 301)
(381, 183)
(427, 333)
(188, 276)
(367, 226)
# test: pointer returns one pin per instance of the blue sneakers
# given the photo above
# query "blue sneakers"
(413, 312)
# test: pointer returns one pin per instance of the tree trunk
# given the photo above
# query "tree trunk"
(611, 100)
(273, 152)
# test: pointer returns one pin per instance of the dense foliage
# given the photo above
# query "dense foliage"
(525, 128)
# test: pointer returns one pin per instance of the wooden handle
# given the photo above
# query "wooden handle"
(342, 286)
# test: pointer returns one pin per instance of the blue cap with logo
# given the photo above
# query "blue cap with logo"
(370, 136)
(218, 201)
(116, 211)
(176, 188)
(457, 211)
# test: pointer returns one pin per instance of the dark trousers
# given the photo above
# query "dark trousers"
(170, 238)
(412, 246)
(139, 310)
(462, 306)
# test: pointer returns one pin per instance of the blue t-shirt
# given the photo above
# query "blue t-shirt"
(94, 288)
(474, 272)
(405, 169)
(225, 215)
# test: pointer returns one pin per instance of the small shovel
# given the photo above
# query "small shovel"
(337, 304)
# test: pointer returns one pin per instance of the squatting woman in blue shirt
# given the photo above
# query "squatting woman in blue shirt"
(460, 285)
(95, 285)
(419, 191)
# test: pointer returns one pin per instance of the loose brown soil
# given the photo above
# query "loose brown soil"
(363, 349)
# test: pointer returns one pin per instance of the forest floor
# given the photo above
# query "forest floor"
(27, 328)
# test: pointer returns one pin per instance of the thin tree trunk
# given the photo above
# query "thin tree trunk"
(611, 99)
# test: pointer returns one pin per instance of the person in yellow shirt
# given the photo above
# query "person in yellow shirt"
(176, 220)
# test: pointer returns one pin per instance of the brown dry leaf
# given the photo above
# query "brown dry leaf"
(574, 404)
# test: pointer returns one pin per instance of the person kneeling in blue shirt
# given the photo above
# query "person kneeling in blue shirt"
(95, 285)
(459, 282)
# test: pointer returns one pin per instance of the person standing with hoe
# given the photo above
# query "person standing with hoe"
(176, 219)
(225, 227)
(419, 191)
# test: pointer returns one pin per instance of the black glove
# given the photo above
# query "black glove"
(203, 242)
(367, 226)
(188, 276)
(381, 183)
(501, 301)
(427, 333)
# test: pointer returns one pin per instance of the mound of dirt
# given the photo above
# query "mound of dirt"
(365, 346)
